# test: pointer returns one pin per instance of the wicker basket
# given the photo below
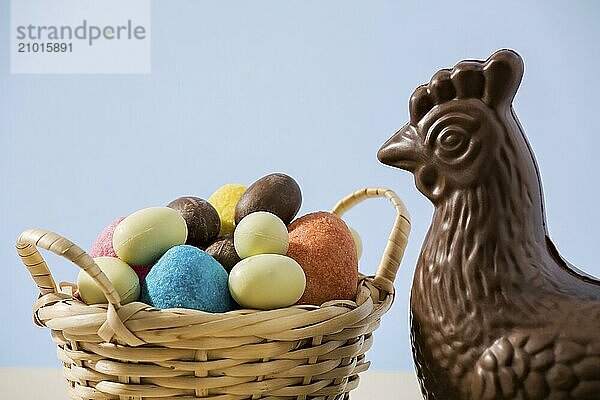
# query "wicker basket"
(139, 352)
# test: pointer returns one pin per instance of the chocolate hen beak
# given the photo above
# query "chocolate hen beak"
(401, 150)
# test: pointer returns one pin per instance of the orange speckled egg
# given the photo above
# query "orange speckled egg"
(323, 246)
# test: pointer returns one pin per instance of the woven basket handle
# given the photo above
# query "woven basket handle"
(394, 250)
(27, 248)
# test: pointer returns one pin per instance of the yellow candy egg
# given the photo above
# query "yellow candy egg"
(267, 281)
(224, 201)
(144, 236)
(357, 241)
(260, 233)
(121, 275)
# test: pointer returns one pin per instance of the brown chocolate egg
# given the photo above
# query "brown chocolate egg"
(201, 218)
(224, 252)
(277, 193)
(323, 245)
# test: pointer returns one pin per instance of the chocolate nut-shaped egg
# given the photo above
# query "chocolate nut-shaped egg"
(224, 252)
(202, 219)
(121, 275)
(266, 281)
(277, 193)
(144, 236)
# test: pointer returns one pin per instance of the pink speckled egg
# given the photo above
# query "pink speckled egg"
(103, 247)
(323, 246)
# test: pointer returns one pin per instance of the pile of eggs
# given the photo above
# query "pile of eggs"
(240, 248)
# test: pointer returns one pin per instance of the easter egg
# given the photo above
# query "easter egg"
(357, 241)
(224, 252)
(278, 194)
(323, 245)
(187, 277)
(145, 235)
(123, 278)
(224, 201)
(266, 281)
(103, 247)
(202, 220)
(260, 233)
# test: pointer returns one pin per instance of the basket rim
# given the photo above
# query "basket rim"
(136, 324)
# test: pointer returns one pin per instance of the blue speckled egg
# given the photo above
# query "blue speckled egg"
(187, 277)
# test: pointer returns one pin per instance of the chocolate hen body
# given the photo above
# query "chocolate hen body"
(496, 312)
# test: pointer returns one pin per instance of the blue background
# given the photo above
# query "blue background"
(312, 88)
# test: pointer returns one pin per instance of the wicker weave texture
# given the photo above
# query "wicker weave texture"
(139, 352)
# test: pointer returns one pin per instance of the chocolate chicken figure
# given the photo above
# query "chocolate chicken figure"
(496, 313)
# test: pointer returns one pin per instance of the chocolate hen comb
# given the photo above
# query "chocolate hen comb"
(494, 81)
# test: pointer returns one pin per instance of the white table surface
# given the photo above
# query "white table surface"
(48, 384)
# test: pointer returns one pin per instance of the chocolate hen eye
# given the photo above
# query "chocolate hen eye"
(452, 139)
